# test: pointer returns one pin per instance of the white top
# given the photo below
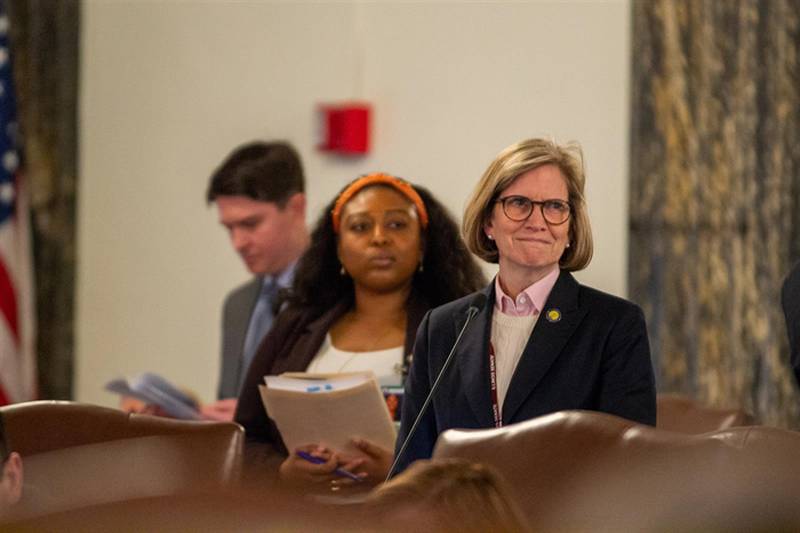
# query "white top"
(386, 364)
(510, 334)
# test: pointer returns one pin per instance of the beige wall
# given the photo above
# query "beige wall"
(168, 88)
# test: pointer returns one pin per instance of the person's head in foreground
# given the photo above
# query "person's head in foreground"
(446, 495)
(11, 482)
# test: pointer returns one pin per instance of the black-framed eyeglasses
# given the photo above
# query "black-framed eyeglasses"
(519, 208)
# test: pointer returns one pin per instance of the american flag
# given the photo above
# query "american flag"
(17, 356)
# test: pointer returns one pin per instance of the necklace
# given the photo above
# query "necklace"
(385, 362)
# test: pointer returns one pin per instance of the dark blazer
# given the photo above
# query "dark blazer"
(239, 305)
(790, 299)
(291, 344)
(596, 357)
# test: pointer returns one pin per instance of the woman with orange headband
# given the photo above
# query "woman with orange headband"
(381, 255)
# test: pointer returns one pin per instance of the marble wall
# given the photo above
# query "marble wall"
(714, 209)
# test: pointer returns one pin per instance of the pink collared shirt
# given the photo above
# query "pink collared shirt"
(529, 302)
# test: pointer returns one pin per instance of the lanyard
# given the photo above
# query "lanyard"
(498, 420)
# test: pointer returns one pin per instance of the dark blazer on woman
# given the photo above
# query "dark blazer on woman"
(290, 346)
(594, 355)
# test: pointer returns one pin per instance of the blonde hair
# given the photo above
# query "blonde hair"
(510, 164)
(449, 495)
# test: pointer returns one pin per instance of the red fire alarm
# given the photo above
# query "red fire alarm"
(344, 128)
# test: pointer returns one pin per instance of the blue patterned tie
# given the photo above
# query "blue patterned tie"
(260, 322)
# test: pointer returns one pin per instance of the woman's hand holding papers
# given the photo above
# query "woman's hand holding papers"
(297, 470)
(375, 463)
(372, 467)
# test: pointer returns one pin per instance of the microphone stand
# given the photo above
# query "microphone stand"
(471, 312)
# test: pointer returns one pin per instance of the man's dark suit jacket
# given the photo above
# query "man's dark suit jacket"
(236, 313)
(596, 357)
(291, 344)
(790, 298)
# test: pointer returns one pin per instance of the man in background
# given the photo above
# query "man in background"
(259, 191)
(790, 298)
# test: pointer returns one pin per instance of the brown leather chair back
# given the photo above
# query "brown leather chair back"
(749, 485)
(77, 454)
(772, 447)
(280, 509)
(41, 426)
(685, 415)
(558, 462)
(541, 458)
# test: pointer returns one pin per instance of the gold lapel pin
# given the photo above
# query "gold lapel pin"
(553, 315)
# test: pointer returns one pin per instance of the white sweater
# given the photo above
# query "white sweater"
(510, 334)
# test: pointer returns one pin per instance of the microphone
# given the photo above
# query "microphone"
(477, 303)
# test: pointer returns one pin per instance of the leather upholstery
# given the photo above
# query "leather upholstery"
(78, 454)
(551, 459)
(41, 426)
(685, 415)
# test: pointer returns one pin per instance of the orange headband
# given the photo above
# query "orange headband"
(403, 187)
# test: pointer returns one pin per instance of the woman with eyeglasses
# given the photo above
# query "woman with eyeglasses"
(541, 342)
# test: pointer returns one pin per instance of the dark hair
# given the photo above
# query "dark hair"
(268, 172)
(449, 270)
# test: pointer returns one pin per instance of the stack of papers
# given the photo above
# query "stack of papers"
(328, 409)
(306, 382)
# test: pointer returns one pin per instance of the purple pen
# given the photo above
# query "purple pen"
(318, 460)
